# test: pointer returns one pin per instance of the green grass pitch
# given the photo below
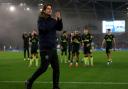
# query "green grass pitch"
(14, 70)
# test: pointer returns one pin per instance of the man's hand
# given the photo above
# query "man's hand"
(58, 15)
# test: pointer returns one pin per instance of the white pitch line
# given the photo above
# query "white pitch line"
(91, 83)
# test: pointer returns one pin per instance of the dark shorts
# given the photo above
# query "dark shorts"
(75, 49)
(64, 48)
(87, 50)
(69, 47)
(108, 49)
(34, 49)
(26, 46)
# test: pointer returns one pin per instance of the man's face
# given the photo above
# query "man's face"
(65, 33)
(48, 10)
(109, 32)
(86, 31)
(72, 34)
(76, 32)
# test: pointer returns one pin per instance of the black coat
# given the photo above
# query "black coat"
(47, 27)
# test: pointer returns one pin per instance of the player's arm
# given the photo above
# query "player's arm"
(91, 39)
(59, 23)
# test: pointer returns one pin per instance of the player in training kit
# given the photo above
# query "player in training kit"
(76, 41)
(30, 37)
(86, 41)
(34, 48)
(26, 45)
(109, 39)
(70, 35)
(64, 42)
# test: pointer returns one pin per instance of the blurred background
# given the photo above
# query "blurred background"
(18, 16)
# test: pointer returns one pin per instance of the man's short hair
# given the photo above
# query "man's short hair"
(64, 31)
(108, 29)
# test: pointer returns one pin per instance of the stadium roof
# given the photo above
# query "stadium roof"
(99, 7)
(116, 4)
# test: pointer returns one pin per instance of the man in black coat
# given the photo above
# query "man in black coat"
(47, 27)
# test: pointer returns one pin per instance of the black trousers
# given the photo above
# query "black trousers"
(26, 50)
(48, 57)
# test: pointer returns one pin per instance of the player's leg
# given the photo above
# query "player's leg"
(24, 53)
(91, 57)
(28, 52)
(110, 56)
(36, 59)
(91, 60)
(77, 58)
(69, 52)
(65, 54)
(108, 52)
(36, 56)
(72, 58)
(86, 59)
(31, 60)
(32, 56)
(62, 54)
(77, 55)
(55, 66)
(43, 67)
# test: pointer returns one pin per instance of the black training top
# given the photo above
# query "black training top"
(109, 39)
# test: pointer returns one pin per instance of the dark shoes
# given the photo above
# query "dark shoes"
(28, 85)
(56, 88)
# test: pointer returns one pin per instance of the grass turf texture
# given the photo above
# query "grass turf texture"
(14, 68)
